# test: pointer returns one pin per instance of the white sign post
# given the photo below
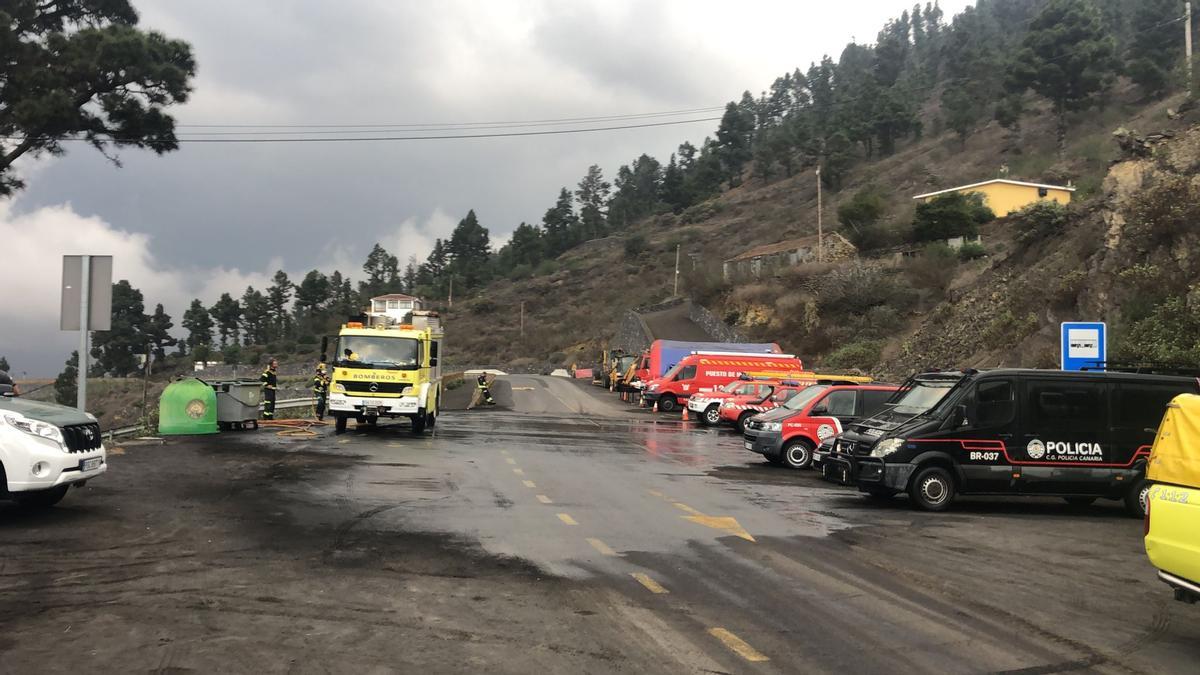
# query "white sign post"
(86, 306)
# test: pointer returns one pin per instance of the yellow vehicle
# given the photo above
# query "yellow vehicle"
(1173, 501)
(388, 370)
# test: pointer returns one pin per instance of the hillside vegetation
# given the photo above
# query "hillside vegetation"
(1120, 253)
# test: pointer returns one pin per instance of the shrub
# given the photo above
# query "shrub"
(860, 217)
(951, 215)
(1158, 215)
(933, 270)
(857, 288)
(519, 272)
(971, 251)
(635, 245)
(1039, 221)
(546, 267)
(863, 355)
(1008, 329)
(232, 354)
(1170, 333)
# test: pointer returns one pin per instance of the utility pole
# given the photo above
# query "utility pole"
(675, 292)
(146, 382)
(85, 316)
(1187, 39)
(820, 225)
(450, 297)
(522, 318)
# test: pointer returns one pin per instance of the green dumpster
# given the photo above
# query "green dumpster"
(187, 407)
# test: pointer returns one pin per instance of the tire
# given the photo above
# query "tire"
(1080, 501)
(431, 421)
(712, 415)
(339, 424)
(932, 489)
(42, 499)
(798, 454)
(742, 419)
(667, 404)
(419, 422)
(1137, 498)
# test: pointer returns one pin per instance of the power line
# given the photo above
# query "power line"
(340, 139)
(452, 125)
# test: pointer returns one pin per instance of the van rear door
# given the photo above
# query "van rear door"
(1138, 408)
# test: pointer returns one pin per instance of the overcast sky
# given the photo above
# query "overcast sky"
(213, 218)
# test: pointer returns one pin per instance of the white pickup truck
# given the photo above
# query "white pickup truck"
(44, 449)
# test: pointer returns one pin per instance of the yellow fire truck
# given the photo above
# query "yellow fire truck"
(381, 368)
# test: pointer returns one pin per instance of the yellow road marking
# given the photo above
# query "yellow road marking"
(685, 507)
(602, 547)
(656, 493)
(737, 645)
(724, 523)
(529, 484)
(650, 584)
(544, 499)
(504, 452)
(116, 451)
(510, 460)
(519, 472)
(344, 441)
(522, 388)
(568, 520)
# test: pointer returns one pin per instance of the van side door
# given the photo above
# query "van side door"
(978, 444)
(1066, 439)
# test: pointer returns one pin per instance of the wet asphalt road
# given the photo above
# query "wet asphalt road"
(559, 532)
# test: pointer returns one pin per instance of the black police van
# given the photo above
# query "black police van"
(1077, 435)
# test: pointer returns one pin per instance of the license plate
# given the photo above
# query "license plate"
(749, 445)
(91, 464)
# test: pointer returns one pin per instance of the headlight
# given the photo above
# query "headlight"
(886, 447)
(34, 427)
(772, 426)
(653, 387)
(408, 391)
(339, 388)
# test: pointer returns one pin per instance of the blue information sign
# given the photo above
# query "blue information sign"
(1084, 345)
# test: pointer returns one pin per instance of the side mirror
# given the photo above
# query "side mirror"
(821, 409)
(958, 417)
(433, 362)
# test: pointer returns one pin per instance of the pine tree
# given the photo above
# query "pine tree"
(1067, 57)
(198, 322)
(592, 193)
(312, 293)
(526, 246)
(470, 250)
(559, 224)
(227, 315)
(158, 331)
(735, 138)
(256, 317)
(66, 385)
(279, 296)
(116, 350)
(383, 273)
(674, 192)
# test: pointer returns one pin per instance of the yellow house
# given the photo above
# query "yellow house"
(1004, 196)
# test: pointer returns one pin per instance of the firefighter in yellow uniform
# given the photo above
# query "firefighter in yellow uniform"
(320, 388)
(270, 384)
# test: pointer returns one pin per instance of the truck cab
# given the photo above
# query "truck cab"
(387, 371)
(789, 434)
(704, 371)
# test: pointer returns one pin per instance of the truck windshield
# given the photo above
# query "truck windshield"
(361, 351)
(805, 397)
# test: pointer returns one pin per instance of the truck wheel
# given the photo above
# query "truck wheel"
(667, 404)
(798, 454)
(339, 424)
(932, 489)
(42, 499)
(419, 421)
(1138, 498)
(712, 415)
(742, 419)
(431, 421)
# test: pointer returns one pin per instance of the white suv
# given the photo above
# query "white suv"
(44, 449)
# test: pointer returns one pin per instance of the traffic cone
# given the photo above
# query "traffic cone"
(685, 413)
(655, 407)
